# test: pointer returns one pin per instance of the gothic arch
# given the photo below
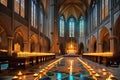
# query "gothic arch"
(18, 39)
(33, 43)
(93, 44)
(22, 31)
(20, 36)
(3, 38)
(81, 48)
(104, 39)
(88, 45)
(41, 44)
(117, 35)
(6, 27)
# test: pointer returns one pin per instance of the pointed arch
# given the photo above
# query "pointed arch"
(81, 26)
(71, 23)
(62, 26)
(34, 43)
(104, 39)
(117, 35)
(93, 44)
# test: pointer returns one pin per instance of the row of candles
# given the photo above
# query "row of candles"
(94, 74)
(29, 54)
(47, 68)
(20, 75)
(104, 54)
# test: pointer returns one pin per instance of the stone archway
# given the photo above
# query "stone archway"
(104, 41)
(18, 42)
(88, 45)
(6, 36)
(34, 46)
(117, 35)
(3, 38)
(41, 44)
(71, 47)
(81, 48)
(21, 39)
(93, 44)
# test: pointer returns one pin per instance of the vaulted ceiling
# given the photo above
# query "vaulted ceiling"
(75, 8)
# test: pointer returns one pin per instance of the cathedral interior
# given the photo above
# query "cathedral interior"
(59, 39)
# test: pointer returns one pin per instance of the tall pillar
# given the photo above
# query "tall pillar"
(98, 23)
(111, 45)
(26, 48)
(112, 41)
(100, 47)
(37, 47)
(10, 40)
(29, 25)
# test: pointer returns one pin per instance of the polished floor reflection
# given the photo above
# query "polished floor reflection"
(64, 68)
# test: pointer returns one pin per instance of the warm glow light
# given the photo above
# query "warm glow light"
(104, 73)
(91, 71)
(103, 70)
(71, 46)
(15, 77)
(97, 75)
(71, 63)
(35, 75)
(106, 54)
(51, 65)
(19, 73)
(29, 54)
(24, 77)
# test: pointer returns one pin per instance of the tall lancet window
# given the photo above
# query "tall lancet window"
(19, 7)
(33, 14)
(104, 8)
(62, 25)
(81, 26)
(71, 27)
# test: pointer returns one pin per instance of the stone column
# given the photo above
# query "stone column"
(98, 23)
(100, 47)
(112, 41)
(37, 47)
(10, 41)
(112, 45)
(26, 46)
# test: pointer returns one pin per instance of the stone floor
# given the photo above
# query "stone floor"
(111, 70)
(64, 67)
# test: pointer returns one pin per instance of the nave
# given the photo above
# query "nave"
(66, 68)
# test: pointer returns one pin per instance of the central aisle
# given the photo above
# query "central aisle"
(69, 68)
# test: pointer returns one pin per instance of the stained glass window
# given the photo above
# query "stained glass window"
(19, 7)
(81, 26)
(33, 14)
(32, 10)
(4, 2)
(22, 8)
(104, 8)
(41, 21)
(61, 26)
(71, 27)
(94, 16)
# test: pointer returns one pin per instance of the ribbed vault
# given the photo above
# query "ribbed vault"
(75, 8)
